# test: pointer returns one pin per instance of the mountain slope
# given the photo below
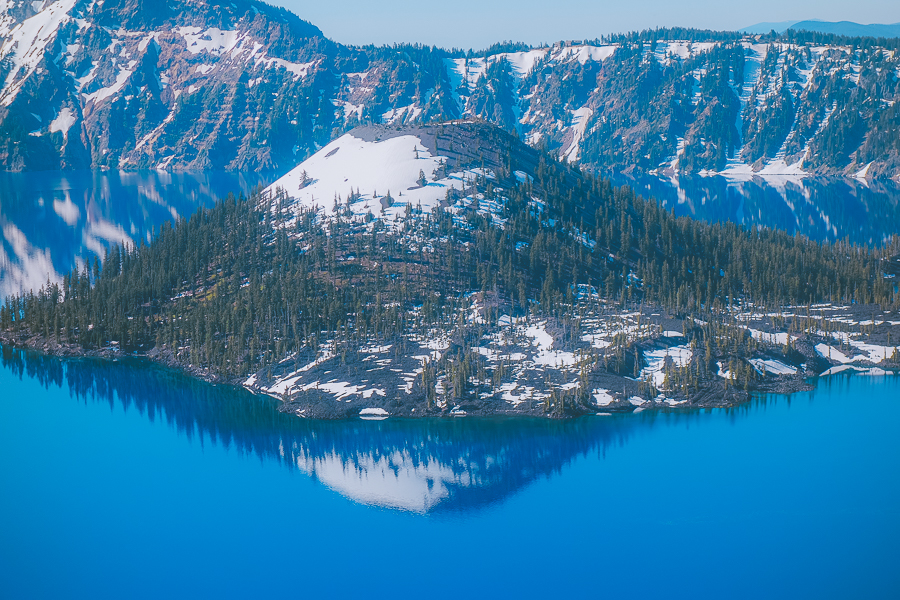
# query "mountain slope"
(245, 86)
(152, 84)
(849, 28)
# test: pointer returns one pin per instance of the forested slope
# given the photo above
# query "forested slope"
(239, 289)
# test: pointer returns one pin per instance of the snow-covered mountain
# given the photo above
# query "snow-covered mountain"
(145, 83)
(242, 85)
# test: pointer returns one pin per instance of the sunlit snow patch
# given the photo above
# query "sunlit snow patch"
(656, 362)
(774, 367)
(371, 169)
(373, 414)
(602, 397)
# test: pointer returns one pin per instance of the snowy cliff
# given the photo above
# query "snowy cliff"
(245, 86)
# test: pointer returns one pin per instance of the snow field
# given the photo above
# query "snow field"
(63, 122)
(656, 363)
(371, 171)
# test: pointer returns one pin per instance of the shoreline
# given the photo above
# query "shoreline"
(716, 393)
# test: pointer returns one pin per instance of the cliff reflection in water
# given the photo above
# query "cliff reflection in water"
(53, 221)
(414, 465)
(821, 208)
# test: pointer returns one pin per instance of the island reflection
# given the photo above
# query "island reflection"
(422, 466)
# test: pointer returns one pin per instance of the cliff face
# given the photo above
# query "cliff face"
(149, 84)
(245, 86)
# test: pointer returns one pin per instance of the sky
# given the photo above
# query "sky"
(480, 23)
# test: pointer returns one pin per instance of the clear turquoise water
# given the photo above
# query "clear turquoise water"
(123, 481)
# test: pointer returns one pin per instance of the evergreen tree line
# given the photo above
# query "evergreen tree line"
(240, 286)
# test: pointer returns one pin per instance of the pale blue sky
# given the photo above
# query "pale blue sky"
(479, 23)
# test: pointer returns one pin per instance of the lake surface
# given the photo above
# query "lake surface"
(821, 208)
(118, 479)
(122, 480)
(51, 222)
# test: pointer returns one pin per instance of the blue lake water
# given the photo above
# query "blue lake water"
(821, 208)
(122, 480)
(52, 221)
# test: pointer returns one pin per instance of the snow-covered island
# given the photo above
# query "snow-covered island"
(451, 270)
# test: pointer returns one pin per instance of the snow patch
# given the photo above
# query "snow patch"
(656, 362)
(580, 120)
(864, 172)
(585, 53)
(212, 40)
(377, 412)
(103, 93)
(24, 45)
(63, 122)
(772, 366)
(602, 397)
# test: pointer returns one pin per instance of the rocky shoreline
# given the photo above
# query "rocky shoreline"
(322, 385)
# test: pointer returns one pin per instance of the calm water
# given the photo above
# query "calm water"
(51, 222)
(120, 480)
(821, 208)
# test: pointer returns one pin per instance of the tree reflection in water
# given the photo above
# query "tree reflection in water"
(416, 465)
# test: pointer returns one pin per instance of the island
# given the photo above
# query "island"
(450, 269)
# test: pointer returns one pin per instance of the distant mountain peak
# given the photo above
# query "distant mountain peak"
(849, 28)
(767, 27)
